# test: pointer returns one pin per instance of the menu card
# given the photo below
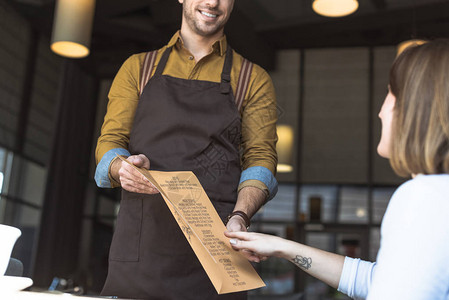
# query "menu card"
(228, 270)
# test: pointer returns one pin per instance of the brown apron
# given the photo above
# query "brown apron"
(179, 125)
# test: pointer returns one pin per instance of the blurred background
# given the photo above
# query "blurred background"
(330, 74)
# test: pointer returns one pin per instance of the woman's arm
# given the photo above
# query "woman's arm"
(320, 264)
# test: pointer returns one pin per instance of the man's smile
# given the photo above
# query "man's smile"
(207, 14)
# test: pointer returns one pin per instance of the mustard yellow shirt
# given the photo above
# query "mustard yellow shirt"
(258, 113)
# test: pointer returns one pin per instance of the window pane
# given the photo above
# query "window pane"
(27, 181)
(353, 205)
(318, 203)
(381, 198)
(282, 207)
(28, 221)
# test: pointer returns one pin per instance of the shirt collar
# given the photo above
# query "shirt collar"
(219, 46)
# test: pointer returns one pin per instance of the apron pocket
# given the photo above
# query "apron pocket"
(126, 240)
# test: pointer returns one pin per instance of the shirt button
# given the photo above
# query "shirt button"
(191, 57)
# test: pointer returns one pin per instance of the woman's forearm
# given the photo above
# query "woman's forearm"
(320, 264)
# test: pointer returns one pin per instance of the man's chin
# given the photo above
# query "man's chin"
(208, 31)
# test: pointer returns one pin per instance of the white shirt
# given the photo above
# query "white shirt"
(413, 260)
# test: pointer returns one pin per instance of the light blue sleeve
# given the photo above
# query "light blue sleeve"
(264, 175)
(356, 278)
(102, 171)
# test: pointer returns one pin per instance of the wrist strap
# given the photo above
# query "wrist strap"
(241, 214)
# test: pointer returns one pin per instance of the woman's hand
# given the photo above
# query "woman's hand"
(260, 245)
(325, 266)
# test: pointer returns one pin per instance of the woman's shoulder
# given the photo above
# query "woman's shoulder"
(421, 201)
(436, 185)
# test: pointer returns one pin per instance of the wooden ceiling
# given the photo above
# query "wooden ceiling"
(257, 28)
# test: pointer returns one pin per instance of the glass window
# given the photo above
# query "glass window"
(27, 181)
(22, 185)
(282, 207)
(353, 205)
(318, 203)
(381, 198)
(27, 219)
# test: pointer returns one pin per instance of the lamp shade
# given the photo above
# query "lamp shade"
(284, 148)
(405, 44)
(335, 8)
(72, 27)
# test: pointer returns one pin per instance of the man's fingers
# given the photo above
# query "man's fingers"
(130, 173)
(136, 187)
(145, 161)
(135, 160)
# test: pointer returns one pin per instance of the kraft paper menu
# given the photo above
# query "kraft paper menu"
(228, 270)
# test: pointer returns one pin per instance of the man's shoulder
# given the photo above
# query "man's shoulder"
(135, 61)
(257, 71)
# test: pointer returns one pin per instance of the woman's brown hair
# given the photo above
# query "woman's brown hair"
(419, 79)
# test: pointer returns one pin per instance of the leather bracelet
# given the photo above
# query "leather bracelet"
(241, 214)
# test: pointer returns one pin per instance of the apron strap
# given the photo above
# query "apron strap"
(161, 66)
(147, 69)
(243, 83)
(225, 84)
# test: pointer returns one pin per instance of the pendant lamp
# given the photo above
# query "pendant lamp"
(72, 27)
(405, 44)
(335, 8)
(284, 148)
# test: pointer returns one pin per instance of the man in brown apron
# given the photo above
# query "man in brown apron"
(183, 124)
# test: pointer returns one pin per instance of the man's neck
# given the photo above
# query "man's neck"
(198, 45)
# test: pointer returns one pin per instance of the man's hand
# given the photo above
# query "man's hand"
(237, 224)
(130, 179)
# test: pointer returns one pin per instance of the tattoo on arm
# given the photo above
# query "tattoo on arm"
(302, 262)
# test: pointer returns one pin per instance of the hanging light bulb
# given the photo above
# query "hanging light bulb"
(72, 27)
(335, 8)
(284, 148)
(405, 44)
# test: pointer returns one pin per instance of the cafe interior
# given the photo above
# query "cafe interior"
(330, 71)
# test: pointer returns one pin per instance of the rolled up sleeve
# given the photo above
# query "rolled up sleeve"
(259, 117)
(123, 99)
